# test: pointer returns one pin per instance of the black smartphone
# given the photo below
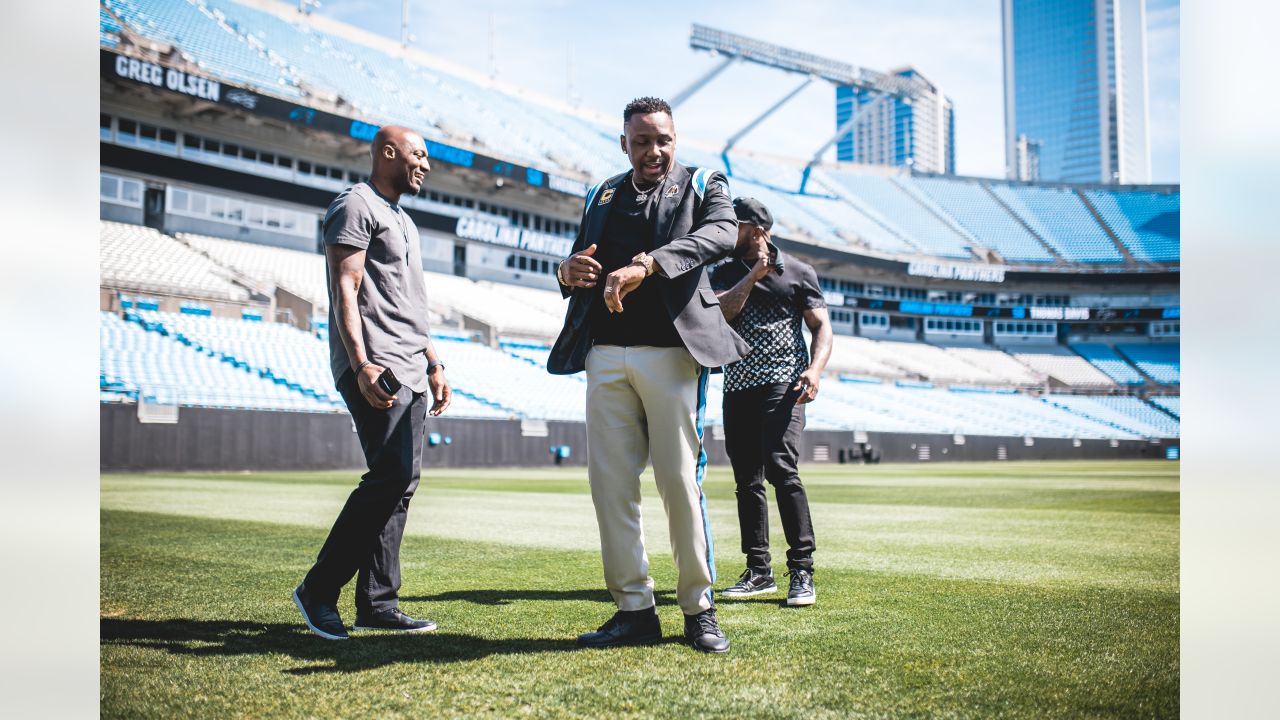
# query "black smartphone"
(388, 382)
(775, 257)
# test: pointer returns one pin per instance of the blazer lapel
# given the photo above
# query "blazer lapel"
(668, 203)
(598, 213)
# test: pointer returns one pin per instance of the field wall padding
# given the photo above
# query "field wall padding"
(219, 440)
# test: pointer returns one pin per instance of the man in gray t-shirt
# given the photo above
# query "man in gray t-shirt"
(384, 364)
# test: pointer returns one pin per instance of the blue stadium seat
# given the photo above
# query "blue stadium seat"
(1148, 223)
(1161, 361)
(1059, 217)
(1105, 359)
(975, 209)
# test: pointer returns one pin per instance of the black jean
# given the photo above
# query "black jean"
(365, 539)
(762, 427)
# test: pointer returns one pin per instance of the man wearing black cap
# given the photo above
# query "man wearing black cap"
(764, 294)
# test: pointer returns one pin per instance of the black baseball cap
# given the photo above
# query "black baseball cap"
(751, 210)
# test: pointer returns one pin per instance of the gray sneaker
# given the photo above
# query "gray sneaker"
(751, 583)
(801, 592)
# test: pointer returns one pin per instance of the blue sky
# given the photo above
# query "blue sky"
(614, 51)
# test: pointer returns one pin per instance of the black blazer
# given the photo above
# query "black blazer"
(695, 227)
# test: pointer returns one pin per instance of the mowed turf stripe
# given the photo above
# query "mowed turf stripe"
(1108, 548)
(197, 623)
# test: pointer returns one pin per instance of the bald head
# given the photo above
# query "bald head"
(399, 160)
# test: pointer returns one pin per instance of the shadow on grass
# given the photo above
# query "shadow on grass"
(514, 595)
(229, 638)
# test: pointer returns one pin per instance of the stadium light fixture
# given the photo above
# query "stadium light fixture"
(786, 59)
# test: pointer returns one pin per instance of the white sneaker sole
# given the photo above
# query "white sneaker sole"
(307, 619)
(362, 628)
(753, 593)
(804, 600)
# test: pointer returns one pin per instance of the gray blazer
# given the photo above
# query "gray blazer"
(695, 227)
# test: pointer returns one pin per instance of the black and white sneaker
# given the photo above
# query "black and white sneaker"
(704, 633)
(395, 621)
(321, 619)
(801, 592)
(751, 583)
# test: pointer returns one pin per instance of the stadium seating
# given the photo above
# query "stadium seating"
(510, 312)
(978, 212)
(205, 38)
(1001, 365)
(1170, 403)
(1105, 359)
(139, 363)
(909, 214)
(1160, 361)
(142, 259)
(1065, 367)
(894, 214)
(1059, 217)
(219, 362)
(892, 408)
(1129, 414)
(281, 351)
(301, 273)
(1146, 222)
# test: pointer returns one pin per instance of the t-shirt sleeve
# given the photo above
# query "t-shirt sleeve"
(348, 222)
(809, 293)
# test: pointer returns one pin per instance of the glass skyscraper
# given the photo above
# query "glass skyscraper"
(916, 132)
(1075, 90)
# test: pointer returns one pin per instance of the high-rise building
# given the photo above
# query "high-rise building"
(1075, 90)
(914, 130)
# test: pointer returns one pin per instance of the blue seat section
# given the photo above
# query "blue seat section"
(108, 29)
(1148, 223)
(1059, 217)
(892, 407)
(1160, 361)
(205, 38)
(907, 214)
(442, 105)
(1171, 403)
(197, 360)
(1105, 359)
(139, 359)
(974, 208)
(1127, 414)
(892, 214)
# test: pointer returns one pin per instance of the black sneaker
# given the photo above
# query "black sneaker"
(704, 633)
(751, 583)
(393, 620)
(801, 592)
(634, 627)
(322, 619)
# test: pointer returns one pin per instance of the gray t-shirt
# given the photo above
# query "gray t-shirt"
(393, 296)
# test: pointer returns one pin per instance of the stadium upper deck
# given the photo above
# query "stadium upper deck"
(279, 53)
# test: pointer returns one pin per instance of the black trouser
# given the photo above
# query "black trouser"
(762, 427)
(365, 538)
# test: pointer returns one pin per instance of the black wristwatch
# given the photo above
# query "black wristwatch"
(433, 364)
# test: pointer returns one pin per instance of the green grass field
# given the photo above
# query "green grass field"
(968, 590)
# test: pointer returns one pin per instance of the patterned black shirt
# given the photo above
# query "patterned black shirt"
(770, 322)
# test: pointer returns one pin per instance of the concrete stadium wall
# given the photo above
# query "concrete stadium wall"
(210, 439)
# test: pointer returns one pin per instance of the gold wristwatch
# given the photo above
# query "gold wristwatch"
(646, 261)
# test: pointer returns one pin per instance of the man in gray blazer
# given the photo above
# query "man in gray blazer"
(645, 324)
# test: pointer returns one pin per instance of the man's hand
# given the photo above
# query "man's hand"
(367, 381)
(760, 250)
(807, 384)
(441, 393)
(620, 282)
(580, 269)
